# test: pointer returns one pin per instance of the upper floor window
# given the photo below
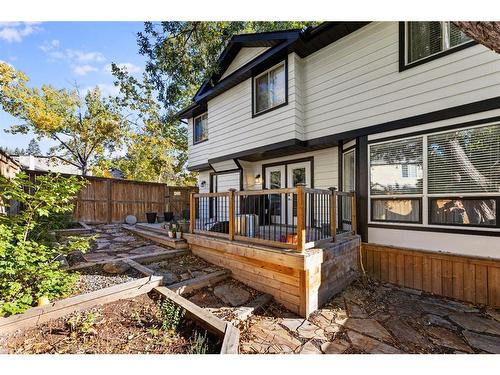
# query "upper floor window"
(426, 40)
(200, 128)
(270, 89)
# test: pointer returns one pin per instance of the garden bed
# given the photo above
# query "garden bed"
(126, 326)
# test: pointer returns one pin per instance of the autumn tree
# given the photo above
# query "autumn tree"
(83, 127)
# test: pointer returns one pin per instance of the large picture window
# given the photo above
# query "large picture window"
(453, 175)
(270, 89)
(424, 40)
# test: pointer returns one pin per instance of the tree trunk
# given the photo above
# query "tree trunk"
(485, 33)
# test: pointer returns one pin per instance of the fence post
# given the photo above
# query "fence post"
(192, 212)
(353, 213)
(231, 214)
(333, 213)
(301, 227)
(110, 203)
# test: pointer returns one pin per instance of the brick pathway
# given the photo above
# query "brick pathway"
(374, 318)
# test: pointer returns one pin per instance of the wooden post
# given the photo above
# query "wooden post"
(301, 227)
(110, 203)
(353, 213)
(192, 212)
(333, 213)
(231, 214)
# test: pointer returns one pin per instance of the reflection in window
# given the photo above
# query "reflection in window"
(270, 89)
(396, 210)
(396, 167)
(275, 199)
(463, 211)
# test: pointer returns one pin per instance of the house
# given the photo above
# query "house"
(404, 114)
(53, 164)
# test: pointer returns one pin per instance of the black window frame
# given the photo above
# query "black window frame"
(254, 93)
(402, 197)
(403, 53)
(194, 129)
(478, 197)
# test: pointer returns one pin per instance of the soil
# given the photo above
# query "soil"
(130, 326)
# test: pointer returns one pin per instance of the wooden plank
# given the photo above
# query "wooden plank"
(231, 342)
(333, 214)
(393, 274)
(494, 286)
(447, 278)
(301, 216)
(427, 274)
(384, 267)
(200, 315)
(417, 272)
(57, 309)
(139, 267)
(354, 219)
(436, 276)
(458, 280)
(400, 269)
(110, 201)
(369, 261)
(469, 282)
(481, 284)
(265, 192)
(260, 241)
(188, 286)
(376, 264)
(408, 278)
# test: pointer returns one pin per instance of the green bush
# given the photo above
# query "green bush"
(28, 266)
(171, 315)
(198, 343)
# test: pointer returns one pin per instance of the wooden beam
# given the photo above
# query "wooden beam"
(231, 342)
(192, 212)
(231, 214)
(301, 225)
(353, 213)
(188, 286)
(333, 214)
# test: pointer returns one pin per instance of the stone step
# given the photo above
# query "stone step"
(157, 235)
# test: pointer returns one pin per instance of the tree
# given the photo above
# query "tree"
(34, 148)
(83, 127)
(485, 33)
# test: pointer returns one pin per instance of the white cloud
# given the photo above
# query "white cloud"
(15, 31)
(76, 56)
(129, 67)
(50, 46)
(81, 70)
(81, 56)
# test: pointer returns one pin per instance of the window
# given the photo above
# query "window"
(270, 89)
(200, 129)
(456, 174)
(426, 39)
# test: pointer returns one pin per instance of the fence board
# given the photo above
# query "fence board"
(106, 200)
(469, 279)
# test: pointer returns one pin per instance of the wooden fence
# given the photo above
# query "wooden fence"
(469, 279)
(106, 200)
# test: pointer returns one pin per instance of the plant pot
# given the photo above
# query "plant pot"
(185, 227)
(169, 216)
(151, 217)
(171, 234)
(178, 235)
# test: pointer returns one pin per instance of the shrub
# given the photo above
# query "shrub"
(171, 315)
(198, 343)
(28, 263)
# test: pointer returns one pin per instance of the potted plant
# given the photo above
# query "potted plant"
(172, 231)
(184, 221)
(151, 217)
(178, 234)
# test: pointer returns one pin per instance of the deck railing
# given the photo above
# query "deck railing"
(294, 218)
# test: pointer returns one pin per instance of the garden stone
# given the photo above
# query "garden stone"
(444, 337)
(369, 327)
(116, 267)
(405, 333)
(62, 261)
(476, 323)
(490, 344)
(452, 305)
(76, 256)
(169, 278)
(435, 309)
(335, 347)
(308, 330)
(270, 337)
(232, 294)
(292, 323)
(494, 314)
(355, 311)
(309, 348)
(435, 320)
(131, 220)
(369, 345)
(125, 239)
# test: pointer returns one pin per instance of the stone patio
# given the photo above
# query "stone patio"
(369, 317)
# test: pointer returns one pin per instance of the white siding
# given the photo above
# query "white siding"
(228, 181)
(355, 82)
(231, 127)
(245, 55)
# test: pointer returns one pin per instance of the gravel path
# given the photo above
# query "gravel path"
(94, 278)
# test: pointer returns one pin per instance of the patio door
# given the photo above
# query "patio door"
(275, 179)
(297, 173)
(348, 185)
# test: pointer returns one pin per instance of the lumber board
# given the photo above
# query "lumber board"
(231, 342)
(188, 286)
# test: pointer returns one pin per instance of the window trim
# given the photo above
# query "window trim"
(425, 196)
(403, 45)
(194, 128)
(254, 91)
(399, 197)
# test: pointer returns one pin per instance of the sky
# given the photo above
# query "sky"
(65, 53)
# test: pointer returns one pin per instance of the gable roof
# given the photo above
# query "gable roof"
(279, 43)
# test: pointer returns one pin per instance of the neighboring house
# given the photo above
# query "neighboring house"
(406, 114)
(8, 169)
(47, 163)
